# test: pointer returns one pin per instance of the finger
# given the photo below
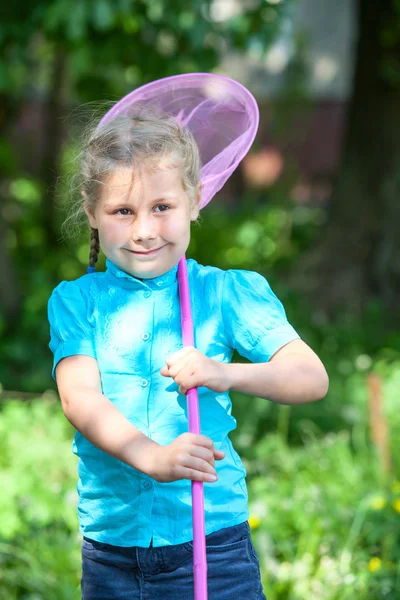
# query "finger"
(219, 455)
(199, 464)
(183, 390)
(203, 453)
(165, 371)
(180, 367)
(187, 379)
(199, 440)
(176, 370)
(197, 470)
(172, 358)
(193, 475)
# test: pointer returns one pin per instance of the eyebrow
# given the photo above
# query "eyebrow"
(126, 201)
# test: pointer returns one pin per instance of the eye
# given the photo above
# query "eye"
(124, 212)
(161, 208)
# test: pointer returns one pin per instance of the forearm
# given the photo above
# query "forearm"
(293, 380)
(100, 422)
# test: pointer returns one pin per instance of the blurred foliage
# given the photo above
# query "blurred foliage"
(324, 514)
(111, 45)
(324, 523)
(39, 552)
(59, 62)
(267, 237)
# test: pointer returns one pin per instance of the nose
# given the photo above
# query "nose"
(143, 228)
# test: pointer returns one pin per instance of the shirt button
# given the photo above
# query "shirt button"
(146, 484)
(147, 294)
(144, 383)
(145, 336)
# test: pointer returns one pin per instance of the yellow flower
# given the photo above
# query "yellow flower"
(374, 564)
(396, 487)
(396, 505)
(254, 521)
(378, 503)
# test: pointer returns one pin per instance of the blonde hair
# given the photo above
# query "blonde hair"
(129, 141)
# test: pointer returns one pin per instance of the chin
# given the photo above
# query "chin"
(147, 273)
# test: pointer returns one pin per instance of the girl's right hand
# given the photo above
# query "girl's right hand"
(190, 456)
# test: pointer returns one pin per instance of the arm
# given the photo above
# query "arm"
(190, 456)
(293, 375)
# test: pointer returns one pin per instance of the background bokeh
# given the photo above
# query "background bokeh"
(314, 207)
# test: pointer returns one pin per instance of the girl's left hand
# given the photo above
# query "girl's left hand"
(190, 368)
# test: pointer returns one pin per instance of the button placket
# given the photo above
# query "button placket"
(146, 484)
(145, 336)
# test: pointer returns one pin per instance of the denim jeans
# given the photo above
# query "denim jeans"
(166, 573)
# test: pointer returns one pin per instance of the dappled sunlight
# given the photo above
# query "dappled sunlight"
(326, 68)
(309, 192)
(222, 10)
(277, 58)
(263, 169)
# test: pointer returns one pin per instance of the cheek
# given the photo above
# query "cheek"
(113, 233)
(177, 227)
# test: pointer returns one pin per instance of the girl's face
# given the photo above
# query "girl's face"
(144, 224)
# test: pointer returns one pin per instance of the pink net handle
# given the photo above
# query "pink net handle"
(199, 545)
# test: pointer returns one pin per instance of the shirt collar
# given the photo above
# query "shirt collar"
(123, 279)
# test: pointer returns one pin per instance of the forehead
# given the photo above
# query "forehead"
(164, 173)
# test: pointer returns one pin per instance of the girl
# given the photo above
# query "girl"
(122, 373)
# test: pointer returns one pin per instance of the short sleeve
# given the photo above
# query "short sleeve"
(254, 319)
(70, 330)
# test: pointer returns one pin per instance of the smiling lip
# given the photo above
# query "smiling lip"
(147, 252)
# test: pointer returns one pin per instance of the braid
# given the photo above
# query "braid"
(94, 248)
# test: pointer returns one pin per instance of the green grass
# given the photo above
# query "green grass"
(325, 515)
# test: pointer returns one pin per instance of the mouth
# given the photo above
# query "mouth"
(145, 252)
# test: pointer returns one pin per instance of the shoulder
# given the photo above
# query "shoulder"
(242, 282)
(75, 297)
(237, 281)
(71, 304)
(68, 291)
(77, 288)
(244, 276)
(198, 271)
(250, 291)
(204, 276)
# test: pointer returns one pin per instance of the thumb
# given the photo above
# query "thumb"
(219, 455)
(165, 371)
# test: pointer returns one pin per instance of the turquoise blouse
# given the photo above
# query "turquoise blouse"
(130, 326)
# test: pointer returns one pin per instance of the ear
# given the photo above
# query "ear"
(195, 209)
(89, 211)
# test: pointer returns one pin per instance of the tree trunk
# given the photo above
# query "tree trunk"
(10, 292)
(54, 138)
(10, 297)
(358, 255)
